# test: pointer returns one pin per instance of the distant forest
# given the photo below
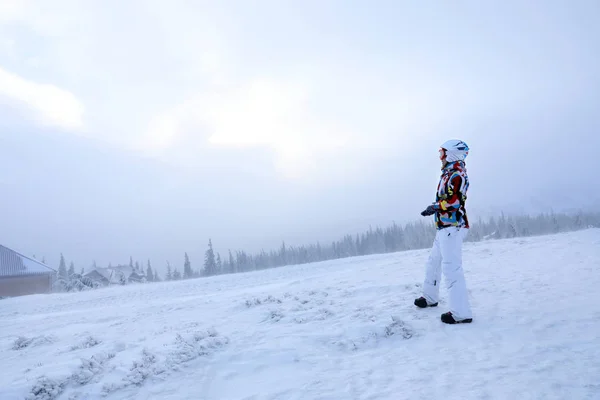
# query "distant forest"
(393, 238)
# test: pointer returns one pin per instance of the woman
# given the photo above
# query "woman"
(452, 227)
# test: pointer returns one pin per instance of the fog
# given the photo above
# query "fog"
(144, 129)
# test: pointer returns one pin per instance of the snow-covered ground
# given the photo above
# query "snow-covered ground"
(322, 331)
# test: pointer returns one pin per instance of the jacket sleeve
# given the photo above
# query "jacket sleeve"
(456, 193)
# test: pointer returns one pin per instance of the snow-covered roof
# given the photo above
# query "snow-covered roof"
(13, 263)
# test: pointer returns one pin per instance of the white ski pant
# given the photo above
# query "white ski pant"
(446, 257)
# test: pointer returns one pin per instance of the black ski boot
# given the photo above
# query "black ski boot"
(447, 318)
(422, 303)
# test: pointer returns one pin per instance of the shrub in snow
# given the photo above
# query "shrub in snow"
(75, 283)
(253, 302)
(46, 389)
(186, 348)
(139, 371)
(88, 342)
(193, 346)
(50, 389)
(90, 367)
(21, 342)
(398, 328)
(142, 369)
(256, 301)
(275, 315)
(271, 299)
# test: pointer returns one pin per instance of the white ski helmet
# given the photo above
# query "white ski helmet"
(454, 150)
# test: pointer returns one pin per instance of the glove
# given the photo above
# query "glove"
(430, 210)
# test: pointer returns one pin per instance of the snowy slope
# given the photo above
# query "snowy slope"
(322, 331)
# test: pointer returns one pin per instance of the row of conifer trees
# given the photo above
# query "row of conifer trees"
(393, 238)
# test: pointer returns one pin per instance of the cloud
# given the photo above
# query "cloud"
(198, 80)
(54, 106)
(174, 79)
(12, 9)
(262, 113)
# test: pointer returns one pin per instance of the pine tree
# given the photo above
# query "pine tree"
(149, 274)
(71, 271)
(187, 268)
(219, 263)
(176, 274)
(242, 261)
(210, 265)
(578, 223)
(555, 224)
(155, 276)
(169, 275)
(62, 268)
(232, 265)
(283, 254)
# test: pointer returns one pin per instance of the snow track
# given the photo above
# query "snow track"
(345, 329)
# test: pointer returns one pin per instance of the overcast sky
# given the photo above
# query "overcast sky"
(145, 127)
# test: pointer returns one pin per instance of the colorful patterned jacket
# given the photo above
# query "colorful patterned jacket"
(451, 197)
